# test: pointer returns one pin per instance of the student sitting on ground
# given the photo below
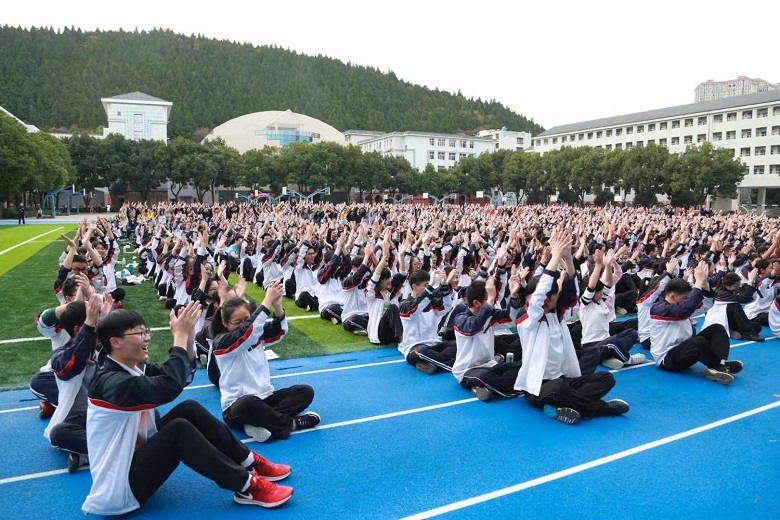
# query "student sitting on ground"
(476, 367)
(384, 320)
(550, 376)
(132, 453)
(306, 268)
(249, 401)
(675, 347)
(355, 313)
(648, 298)
(727, 307)
(614, 351)
(420, 312)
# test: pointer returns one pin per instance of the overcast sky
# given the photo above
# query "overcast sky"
(556, 62)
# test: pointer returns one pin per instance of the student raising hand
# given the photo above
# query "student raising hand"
(93, 310)
(183, 325)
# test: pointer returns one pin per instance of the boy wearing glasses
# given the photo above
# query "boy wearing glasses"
(132, 453)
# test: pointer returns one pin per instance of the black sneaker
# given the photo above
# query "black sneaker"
(562, 414)
(306, 421)
(481, 393)
(617, 406)
(76, 461)
(734, 367)
(426, 368)
(754, 337)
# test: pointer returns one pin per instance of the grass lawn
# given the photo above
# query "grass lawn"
(27, 284)
(10, 236)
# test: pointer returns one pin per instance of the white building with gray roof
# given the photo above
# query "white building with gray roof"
(137, 116)
(748, 125)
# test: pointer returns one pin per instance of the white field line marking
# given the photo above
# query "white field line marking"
(152, 329)
(380, 417)
(462, 504)
(30, 240)
(31, 476)
(20, 409)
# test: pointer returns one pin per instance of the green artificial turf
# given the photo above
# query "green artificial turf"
(11, 236)
(27, 289)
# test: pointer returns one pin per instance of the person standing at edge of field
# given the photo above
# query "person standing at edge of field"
(132, 453)
(21, 215)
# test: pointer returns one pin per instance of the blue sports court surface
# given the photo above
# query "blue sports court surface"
(395, 443)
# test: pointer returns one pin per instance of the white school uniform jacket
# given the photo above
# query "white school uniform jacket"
(241, 359)
(355, 293)
(475, 336)
(670, 323)
(377, 301)
(120, 417)
(594, 316)
(645, 303)
(717, 314)
(536, 328)
(774, 317)
(763, 298)
(329, 291)
(420, 317)
(305, 276)
(109, 266)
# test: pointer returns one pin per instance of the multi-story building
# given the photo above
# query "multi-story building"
(747, 125)
(137, 116)
(742, 86)
(423, 148)
(507, 140)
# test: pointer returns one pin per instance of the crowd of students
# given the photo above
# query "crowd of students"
(512, 301)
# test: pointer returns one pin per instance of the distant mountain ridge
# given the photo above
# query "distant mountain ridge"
(56, 79)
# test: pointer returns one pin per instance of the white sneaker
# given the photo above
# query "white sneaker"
(613, 363)
(258, 433)
(636, 359)
(334, 321)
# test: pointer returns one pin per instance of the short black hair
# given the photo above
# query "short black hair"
(356, 260)
(115, 324)
(73, 316)
(80, 259)
(476, 291)
(761, 264)
(677, 286)
(419, 277)
(69, 287)
(385, 274)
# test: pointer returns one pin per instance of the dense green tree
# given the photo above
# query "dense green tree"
(17, 160)
(644, 172)
(703, 171)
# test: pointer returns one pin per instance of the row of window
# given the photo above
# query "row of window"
(448, 155)
(759, 169)
(433, 141)
(664, 125)
(759, 150)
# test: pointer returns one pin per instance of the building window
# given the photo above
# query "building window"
(651, 127)
(440, 156)
(702, 120)
(430, 155)
(774, 169)
(572, 138)
(432, 141)
(629, 146)
(762, 112)
(452, 156)
(599, 134)
(663, 126)
(590, 135)
(618, 146)
(651, 141)
(520, 139)
(609, 133)
(463, 143)
(701, 138)
(744, 152)
(776, 111)
(675, 140)
(462, 155)
(545, 140)
(640, 129)
(758, 170)
(608, 147)
(640, 144)
(618, 131)
(731, 116)
(471, 143)
(776, 130)
(717, 118)
(747, 133)
(761, 132)
(760, 150)
(555, 140)
(581, 137)
(629, 130)
(452, 143)
(747, 114)
(689, 122)
(717, 136)
(440, 142)
(675, 124)
(775, 150)
(662, 142)
(688, 139)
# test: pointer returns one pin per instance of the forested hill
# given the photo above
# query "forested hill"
(56, 79)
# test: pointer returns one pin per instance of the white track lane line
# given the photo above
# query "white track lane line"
(28, 241)
(462, 504)
(42, 474)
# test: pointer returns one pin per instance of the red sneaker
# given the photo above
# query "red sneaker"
(263, 493)
(268, 470)
(45, 409)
